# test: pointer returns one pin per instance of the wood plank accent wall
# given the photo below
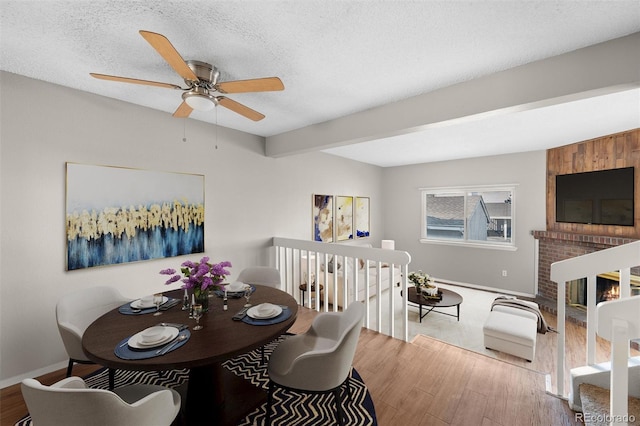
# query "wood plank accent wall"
(608, 152)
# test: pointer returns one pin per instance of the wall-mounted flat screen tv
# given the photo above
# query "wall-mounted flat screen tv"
(604, 197)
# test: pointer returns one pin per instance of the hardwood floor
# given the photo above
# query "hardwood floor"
(467, 333)
(448, 385)
(425, 382)
(575, 354)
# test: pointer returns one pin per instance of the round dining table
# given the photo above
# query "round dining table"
(213, 395)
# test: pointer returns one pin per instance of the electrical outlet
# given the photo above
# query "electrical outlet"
(504, 272)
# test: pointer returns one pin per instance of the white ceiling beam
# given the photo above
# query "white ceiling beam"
(595, 70)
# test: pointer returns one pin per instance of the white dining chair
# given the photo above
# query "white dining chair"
(318, 361)
(70, 402)
(76, 311)
(260, 275)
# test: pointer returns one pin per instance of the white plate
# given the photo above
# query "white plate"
(236, 287)
(139, 304)
(255, 313)
(168, 335)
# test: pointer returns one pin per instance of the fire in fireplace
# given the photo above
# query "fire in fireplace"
(606, 289)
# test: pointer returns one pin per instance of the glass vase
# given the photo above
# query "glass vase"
(202, 297)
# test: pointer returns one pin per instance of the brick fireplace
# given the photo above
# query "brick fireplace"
(555, 246)
(564, 240)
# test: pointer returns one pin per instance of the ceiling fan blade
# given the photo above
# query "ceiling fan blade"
(134, 81)
(170, 54)
(267, 84)
(183, 111)
(240, 109)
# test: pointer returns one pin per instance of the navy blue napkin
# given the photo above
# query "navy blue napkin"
(286, 313)
(123, 350)
(170, 304)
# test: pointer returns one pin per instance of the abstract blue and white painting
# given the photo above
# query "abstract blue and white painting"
(323, 218)
(118, 215)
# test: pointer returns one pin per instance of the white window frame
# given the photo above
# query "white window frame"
(465, 190)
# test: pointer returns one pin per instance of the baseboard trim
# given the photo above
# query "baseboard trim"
(31, 374)
(485, 288)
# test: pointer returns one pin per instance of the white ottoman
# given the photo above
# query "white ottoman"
(512, 331)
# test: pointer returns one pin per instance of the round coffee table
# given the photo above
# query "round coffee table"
(449, 299)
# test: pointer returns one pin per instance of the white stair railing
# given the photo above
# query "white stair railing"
(621, 258)
(619, 322)
(294, 258)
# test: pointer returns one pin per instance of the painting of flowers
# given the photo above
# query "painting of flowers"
(344, 218)
(323, 218)
(118, 215)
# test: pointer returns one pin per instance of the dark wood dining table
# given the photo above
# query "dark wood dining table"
(213, 395)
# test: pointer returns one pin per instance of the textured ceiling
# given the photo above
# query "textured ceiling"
(335, 58)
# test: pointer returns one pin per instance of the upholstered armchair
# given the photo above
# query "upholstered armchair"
(76, 311)
(319, 360)
(69, 402)
(260, 275)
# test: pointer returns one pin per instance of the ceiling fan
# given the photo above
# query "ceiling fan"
(201, 79)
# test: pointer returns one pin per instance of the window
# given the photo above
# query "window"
(481, 216)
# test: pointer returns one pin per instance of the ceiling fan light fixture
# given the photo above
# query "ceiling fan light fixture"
(200, 79)
(200, 99)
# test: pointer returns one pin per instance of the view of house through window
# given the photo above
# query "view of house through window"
(468, 215)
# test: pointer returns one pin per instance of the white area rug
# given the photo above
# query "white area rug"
(466, 333)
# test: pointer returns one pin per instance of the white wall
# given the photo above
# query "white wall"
(249, 199)
(468, 265)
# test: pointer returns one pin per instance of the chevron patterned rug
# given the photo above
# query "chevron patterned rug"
(290, 408)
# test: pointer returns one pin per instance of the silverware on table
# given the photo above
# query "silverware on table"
(170, 345)
(241, 314)
(169, 304)
(179, 326)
